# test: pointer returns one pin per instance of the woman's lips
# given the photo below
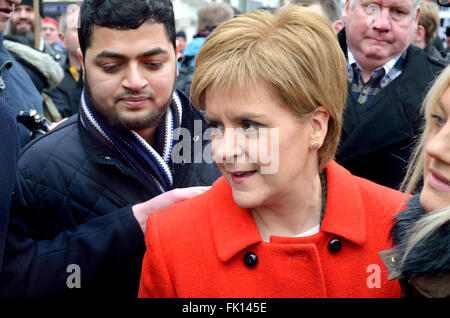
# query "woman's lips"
(241, 176)
(438, 182)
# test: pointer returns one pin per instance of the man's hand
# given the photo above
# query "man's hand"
(141, 211)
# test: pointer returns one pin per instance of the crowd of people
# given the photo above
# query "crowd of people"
(293, 152)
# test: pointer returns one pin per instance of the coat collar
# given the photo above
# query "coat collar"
(344, 217)
(234, 228)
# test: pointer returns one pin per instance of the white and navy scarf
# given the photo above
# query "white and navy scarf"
(154, 164)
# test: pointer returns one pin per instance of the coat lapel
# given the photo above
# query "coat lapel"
(234, 228)
(344, 212)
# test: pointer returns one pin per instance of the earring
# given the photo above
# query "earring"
(315, 145)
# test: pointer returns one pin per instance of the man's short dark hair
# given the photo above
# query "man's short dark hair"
(124, 15)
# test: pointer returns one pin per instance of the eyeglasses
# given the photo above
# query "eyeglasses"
(444, 3)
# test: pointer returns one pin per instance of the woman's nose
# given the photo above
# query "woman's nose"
(228, 145)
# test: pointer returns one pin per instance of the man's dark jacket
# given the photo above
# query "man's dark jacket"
(9, 151)
(68, 179)
(379, 135)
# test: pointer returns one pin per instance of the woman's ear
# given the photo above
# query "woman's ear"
(319, 125)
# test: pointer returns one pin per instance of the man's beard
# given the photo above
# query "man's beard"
(119, 122)
(27, 35)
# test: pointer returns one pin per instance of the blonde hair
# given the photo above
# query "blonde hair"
(429, 19)
(293, 51)
(414, 172)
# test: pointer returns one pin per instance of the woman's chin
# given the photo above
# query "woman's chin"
(245, 199)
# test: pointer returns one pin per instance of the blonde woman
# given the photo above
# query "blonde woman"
(285, 220)
(420, 259)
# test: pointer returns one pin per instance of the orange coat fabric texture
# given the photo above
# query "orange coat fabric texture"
(197, 248)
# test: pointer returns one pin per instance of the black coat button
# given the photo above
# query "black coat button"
(334, 245)
(250, 259)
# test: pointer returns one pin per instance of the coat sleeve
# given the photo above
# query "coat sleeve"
(44, 268)
(155, 280)
(9, 149)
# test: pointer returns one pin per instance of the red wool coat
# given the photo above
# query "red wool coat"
(210, 247)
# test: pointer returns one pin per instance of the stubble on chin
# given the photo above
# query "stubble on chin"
(123, 122)
(127, 120)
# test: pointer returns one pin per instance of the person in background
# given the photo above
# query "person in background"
(427, 29)
(42, 63)
(21, 28)
(326, 8)
(50, 33)
(16, 87)
(119, 151)
(181, 43)
(209, 17)
(67, 94)
(22, 22)
(420, 257)
(285, 220)
(387, 77)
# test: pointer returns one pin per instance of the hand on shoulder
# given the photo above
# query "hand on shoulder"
(141, 211)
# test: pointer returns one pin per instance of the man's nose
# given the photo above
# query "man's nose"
(134, 78)
(383, 20)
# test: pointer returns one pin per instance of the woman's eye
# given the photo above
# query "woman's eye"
(212, 124)
(248, 124)
(216, 128)
(251, 128)
(440, 121)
